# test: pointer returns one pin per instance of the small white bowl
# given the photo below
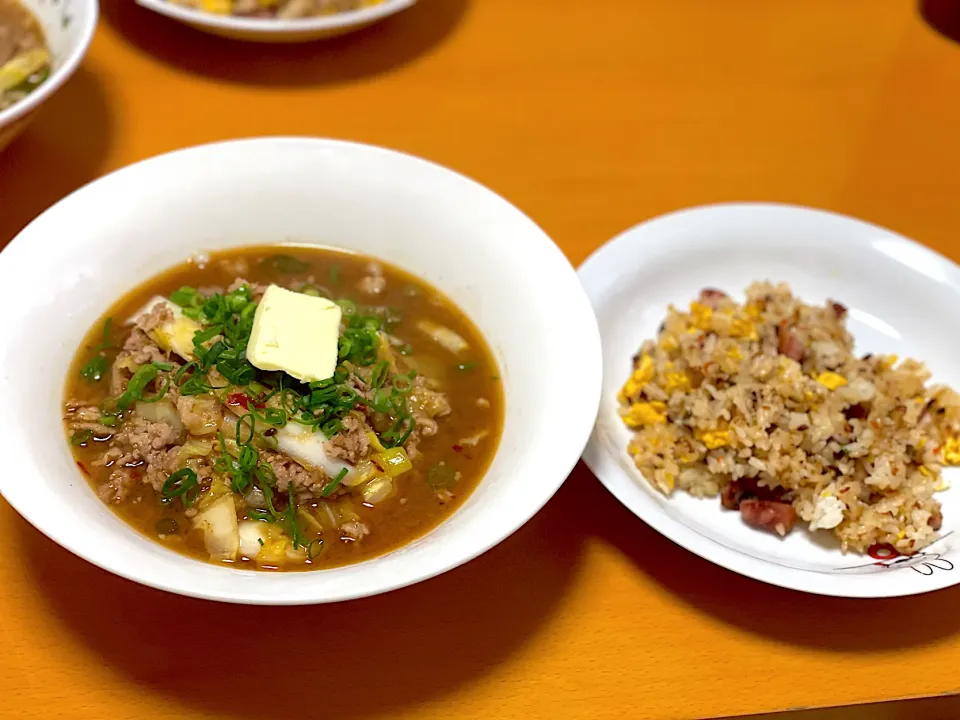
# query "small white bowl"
(900, 297)
(68, 26)
(269, 30)
(62, 271)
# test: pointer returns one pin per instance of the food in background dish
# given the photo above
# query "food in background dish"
(765, 404)
(284, 408)
(24, 58)
(285, 9)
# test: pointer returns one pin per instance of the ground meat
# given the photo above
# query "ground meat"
(935, 521)
(352, 442)
(372, 284)
(289, 471)
(117, 488)
(445, 496)
(86, 417)
(256, 289)
(139, 349)
(145, 437)
(155, 317)
(839, 310)
(778, 517)
(354, 531)
(711, 297)
(152, 448)
(789, 343)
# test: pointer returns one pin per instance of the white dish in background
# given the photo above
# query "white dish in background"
(68, 26)
(110, 236)
(901, 297)
(272, 30)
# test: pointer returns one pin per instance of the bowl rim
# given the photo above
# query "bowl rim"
(565, 460)
(606, 468)
(60, 74)
(272, 26)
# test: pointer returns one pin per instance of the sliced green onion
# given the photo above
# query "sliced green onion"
(296, 534)
(252, 423)
(287, 264)
(144, 375)
(109, 419)
(181, 484)
(81, 436)
(186, 297)
(96, 368)
(441, 476)
(335, 483)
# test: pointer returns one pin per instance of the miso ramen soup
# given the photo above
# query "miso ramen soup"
(283, 408)
(24, 57)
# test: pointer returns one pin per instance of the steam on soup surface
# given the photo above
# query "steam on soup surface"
(283, 408)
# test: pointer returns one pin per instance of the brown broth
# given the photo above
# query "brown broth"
(412, 511)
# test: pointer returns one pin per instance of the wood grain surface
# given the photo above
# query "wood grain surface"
(590, 115)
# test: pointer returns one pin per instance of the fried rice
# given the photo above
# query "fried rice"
(765, 404)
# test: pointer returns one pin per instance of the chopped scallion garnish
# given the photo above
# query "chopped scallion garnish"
(334, 484)
(81, 436)
(181, 484)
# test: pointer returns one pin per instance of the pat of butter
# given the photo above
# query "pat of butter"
(296, 333)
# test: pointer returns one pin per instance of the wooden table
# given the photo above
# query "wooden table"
(591, 115)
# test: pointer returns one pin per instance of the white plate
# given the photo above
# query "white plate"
(275, 30)
(902, 299)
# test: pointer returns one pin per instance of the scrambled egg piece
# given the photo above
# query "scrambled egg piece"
(676, 381)
(828, 512)
(743, 329)
(714, 439)
(669, 482)
(951, 451)
(888, 362)
(701, 315)
(640, 377)
(650, 413)
(218, 7)
(831, 380)
(669, 343)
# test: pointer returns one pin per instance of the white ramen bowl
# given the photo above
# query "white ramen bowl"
(900, 297)
(488, 257)
(68, 26)
(276, 30)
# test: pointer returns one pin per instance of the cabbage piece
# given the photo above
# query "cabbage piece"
(221, 534)
(394, 461)
(377, 490)
(17, 70)
(443, 336)
(160, 411)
